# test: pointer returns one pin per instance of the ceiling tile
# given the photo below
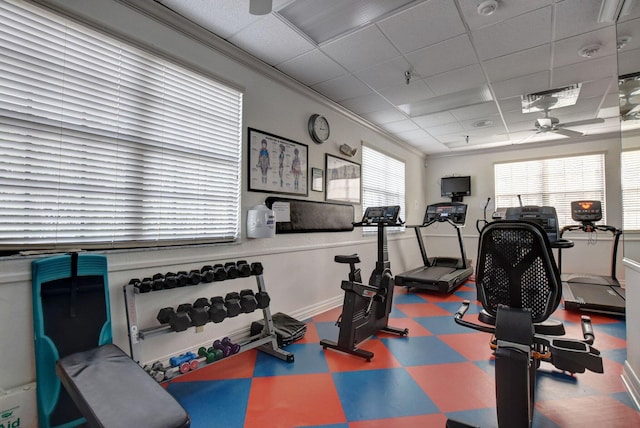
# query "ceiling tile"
(312, 67)
(524, 62)
(371, 46)
(507, 9)
(566, 51)
(629, 61)
(342, 88)
(576, 17)
(386, 74)
(477, 111)
(522, 85)
(449, 128)
(434, 119)
(445, 56)
(400, 126)
(513, 35)
(456, 80)
(271, 40)
(596, 68)
(384, 116)
(426, 24)
(366, 104)
(404, 94)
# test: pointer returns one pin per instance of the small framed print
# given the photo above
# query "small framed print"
(342, 180)
(317, 180)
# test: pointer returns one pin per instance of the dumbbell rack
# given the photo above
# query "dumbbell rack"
(265, 341)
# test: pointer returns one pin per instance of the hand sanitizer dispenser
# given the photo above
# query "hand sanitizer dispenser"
(261, 222)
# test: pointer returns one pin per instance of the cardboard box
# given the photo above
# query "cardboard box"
(18, 407)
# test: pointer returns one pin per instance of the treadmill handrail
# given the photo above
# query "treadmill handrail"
(423, 251)
(617, 233)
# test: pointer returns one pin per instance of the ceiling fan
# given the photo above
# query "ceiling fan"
(552, 124)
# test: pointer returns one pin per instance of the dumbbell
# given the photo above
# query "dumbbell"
(170, 280)
(179, 321)
(186, 362)
(207, 273)
(198, 315)
(217, 310)
(146, 285)
(219, 274)
(158, 281)
(263, 299)
(256, 268)
(235, 348)
(194, 277)
(244, 269)
(156, 371)
(232, 270)
(137, 284)
(226, 349)
(232, 303)
(183, 278)
(248, 301)
(210, 355)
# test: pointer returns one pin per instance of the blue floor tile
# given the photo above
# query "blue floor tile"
(422, 350)
(309, 358)
(442, 325)
(362, 392)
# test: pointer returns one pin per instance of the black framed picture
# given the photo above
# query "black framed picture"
(317, 179)
(342, 180)
(277, 164)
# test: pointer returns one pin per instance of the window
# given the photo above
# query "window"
(105, 145)
(631, 190)
(551, 182)
(382, 180)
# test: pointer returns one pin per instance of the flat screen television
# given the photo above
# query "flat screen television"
(455, 187)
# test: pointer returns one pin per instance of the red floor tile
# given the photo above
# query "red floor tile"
(283, 402)
(422, 310)
(593, 411)
(437, 420)
(311, 335)
(415, 328)
(456, 386)
(472, 346)
(382, 359)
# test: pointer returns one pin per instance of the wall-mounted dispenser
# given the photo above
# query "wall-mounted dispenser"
(261, 222)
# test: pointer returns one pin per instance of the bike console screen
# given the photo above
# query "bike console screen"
(385, 215)
(454, 211)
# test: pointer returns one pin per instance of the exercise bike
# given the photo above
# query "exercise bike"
(519, 287)
(366, 307)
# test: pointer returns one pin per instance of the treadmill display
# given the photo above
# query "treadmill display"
(586, 211)
(388, 214)
(456, 212)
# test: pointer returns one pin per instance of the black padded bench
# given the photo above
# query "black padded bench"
(111, 390)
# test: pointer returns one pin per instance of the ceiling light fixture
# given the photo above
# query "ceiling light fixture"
(260, 7)
(487, 7)
(482, 123)
(589, 51)
(622, 42)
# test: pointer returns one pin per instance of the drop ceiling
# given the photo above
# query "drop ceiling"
(439, 75)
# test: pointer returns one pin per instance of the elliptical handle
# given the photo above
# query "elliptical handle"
(462, 310)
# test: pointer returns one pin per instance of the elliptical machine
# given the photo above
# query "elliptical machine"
(366, 307)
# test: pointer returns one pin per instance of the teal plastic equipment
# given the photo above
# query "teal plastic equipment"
(71, 313)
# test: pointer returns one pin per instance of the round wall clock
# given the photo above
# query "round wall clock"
(318, 128)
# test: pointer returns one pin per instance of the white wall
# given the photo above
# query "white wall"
(300, 274)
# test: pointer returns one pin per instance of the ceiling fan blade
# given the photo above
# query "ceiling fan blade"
(581, 122)
(567, 132)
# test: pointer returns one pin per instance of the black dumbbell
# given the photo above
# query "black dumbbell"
(197, 316)
(263, 299)
(179, 321)
(137, 285)
(226, 350)
(219, 274)
(170, 280)
(158, 281)
(248, 301)
(207, 274)
(232, 270)
(217, 310)
(244, 269)
(156, 371)
(183, 278)
(256, 268)
(194, 277)
(232, 303)
(146, 285)
(235, 348)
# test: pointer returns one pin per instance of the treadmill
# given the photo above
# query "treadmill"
(439, 274)
(588, 292)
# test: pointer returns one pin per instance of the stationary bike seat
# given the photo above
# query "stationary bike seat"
(352, 258)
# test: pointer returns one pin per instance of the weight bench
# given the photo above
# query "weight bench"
(111, 390)
(82, 378)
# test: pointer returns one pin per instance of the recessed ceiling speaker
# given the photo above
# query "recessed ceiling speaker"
(487, 7)
(260, 7)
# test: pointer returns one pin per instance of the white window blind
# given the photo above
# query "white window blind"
(631, 190)
(551, 182)
(383, 180)
(106, 145)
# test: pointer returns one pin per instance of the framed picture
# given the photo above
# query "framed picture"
(317, 180)
(277, 164)
(342, 180)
